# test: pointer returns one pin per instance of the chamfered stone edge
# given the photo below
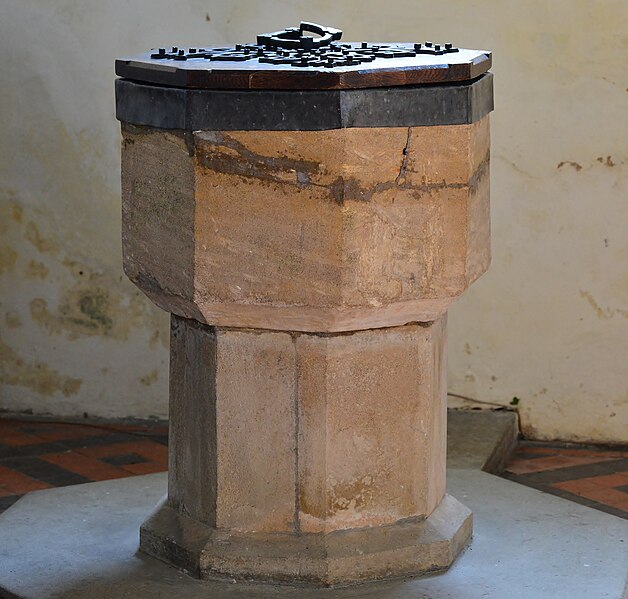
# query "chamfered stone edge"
(409, 547)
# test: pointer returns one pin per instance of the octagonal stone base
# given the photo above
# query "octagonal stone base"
(408, 547)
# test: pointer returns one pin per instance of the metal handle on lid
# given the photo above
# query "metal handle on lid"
(293, 38)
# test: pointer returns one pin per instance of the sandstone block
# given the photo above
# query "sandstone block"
(409, 547)
(232, 427)
(311, 231)
(372, 410)
(278, 432)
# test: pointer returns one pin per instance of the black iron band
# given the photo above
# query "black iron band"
(311, 110)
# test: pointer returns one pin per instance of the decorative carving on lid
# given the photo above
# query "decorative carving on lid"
(294, 48)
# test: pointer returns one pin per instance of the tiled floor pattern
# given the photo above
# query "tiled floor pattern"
(40, 455)
(591, 476)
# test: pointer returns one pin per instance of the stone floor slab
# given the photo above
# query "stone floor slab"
(81, 541)
(482, 439)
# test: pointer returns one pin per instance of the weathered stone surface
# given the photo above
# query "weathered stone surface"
(158, 217)
(341, 557)
(307, 230)
(192, 447)
(309, 275)
(306, 433)
(277, 438)
(371, 416)
(255, 411)
(232, 427)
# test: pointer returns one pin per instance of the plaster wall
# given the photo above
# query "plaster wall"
(548, 324)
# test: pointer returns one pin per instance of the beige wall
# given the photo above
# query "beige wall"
(548, 324)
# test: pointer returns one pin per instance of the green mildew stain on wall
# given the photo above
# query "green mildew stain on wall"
(95, 305)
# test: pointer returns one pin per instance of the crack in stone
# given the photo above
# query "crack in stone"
(404, 162)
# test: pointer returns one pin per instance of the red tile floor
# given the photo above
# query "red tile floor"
(40, 455)
(592, 476)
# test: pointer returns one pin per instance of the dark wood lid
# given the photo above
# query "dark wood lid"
(291, 60)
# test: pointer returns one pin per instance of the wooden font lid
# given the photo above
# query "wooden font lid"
(292, 59)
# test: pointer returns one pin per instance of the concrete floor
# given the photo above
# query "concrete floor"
(81, 541)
